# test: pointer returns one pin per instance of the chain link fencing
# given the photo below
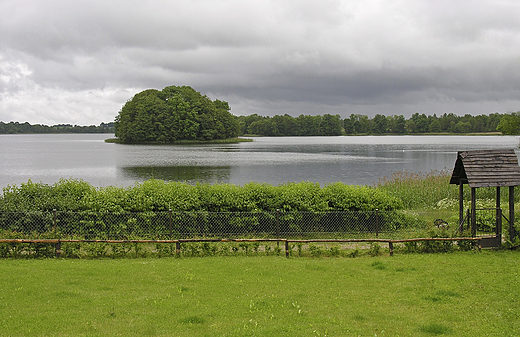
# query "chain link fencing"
(185, 225)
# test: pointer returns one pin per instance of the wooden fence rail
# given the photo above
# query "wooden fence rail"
(178, 242)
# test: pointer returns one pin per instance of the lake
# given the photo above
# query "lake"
(357, 160)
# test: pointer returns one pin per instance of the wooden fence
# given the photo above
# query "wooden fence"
(178, 243)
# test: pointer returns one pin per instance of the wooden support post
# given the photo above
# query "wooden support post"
(286, 248)
(391, 248)
(473, 212)
(461, 206)
(498, 226)
(511, 213)
(498, 229)
(468, 218)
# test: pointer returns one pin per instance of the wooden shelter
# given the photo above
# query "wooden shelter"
(487, 168)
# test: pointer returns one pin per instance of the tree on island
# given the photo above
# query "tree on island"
(172, 114)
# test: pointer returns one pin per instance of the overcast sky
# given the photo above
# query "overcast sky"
(78, 62)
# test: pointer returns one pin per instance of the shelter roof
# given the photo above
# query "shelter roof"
(486, 168)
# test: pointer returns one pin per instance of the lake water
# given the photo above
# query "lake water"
(353, 160)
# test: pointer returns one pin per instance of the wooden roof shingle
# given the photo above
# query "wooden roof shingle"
(486, 168)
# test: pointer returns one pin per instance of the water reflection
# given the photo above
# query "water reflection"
(189, 174)
(352, 160)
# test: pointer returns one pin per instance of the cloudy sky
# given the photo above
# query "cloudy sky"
(79, 61)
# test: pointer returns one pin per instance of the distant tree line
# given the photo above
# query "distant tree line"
(16, 127)
(510, 124)
(333, 125)
(303, 125)
(144, 119)
(421, 123)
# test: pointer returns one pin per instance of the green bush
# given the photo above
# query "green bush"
(155, 196)
(341, 197)
(141, 210)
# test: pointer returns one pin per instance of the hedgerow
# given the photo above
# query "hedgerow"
(73, 195)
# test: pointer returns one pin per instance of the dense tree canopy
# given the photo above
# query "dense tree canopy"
(181, 113)
(16, 127)
(355, 124)
(303, 125)
(510, 124)
(421, 123)
(173, 114)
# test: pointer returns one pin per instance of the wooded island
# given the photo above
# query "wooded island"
(173, 114)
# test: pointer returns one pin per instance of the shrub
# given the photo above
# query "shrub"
(343, 197)
(315, 250)
(334, 250)
(375, 249)
(155, 196)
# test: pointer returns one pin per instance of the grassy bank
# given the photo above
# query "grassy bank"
(459, 294)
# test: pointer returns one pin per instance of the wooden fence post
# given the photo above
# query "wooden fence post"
(58, 249)
(286, 248)
(178, 248)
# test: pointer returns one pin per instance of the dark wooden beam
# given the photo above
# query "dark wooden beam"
(498, 226)
(461, 206)
(511, 213)
(473, 212)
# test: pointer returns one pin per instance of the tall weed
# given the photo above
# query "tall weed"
(419, 190)
(426, 190)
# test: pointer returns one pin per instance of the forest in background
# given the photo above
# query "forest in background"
(355, 124)
(16, 127)
(325, 125)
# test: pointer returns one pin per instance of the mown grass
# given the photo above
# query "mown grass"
(457, 294)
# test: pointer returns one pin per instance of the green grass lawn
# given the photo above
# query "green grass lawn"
(455, 294)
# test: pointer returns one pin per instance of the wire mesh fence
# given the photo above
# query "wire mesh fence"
(183, 225)
(162, 234)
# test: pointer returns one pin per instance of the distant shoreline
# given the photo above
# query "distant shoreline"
(245, 140)
(239, 139)
(15, 128)
(397, 134)
(186, 142)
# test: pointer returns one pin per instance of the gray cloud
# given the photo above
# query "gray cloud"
(78, 62)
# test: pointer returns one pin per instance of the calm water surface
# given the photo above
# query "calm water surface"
(352, 160)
